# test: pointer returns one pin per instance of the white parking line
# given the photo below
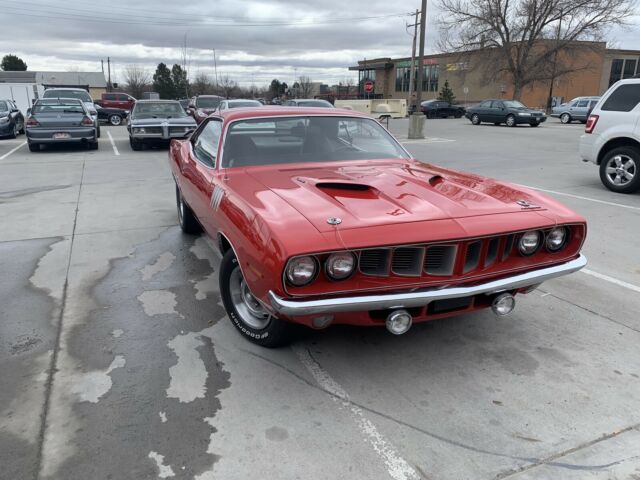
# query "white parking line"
(397, 466)
(579, 197)
(115, 149)
(615, 281)
(11, 151)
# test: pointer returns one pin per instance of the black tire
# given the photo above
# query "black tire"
(14, 131)
(188, 221)
(22, 130)
(458, 115)
(93, 145)
(535, 124)
(115, 120)
(475, 119)
(275, 333)
(135, 144)
(565, 118)
(511, 121)
(34, 147)
(629, 161)
(98, 132)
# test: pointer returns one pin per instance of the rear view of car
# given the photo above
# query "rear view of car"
(60, 120)
(612, 137)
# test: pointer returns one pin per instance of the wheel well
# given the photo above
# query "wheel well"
(223, 244)
(615, 143)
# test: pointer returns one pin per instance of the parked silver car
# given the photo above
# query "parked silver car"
(81, 95)
(577, 109)
(60, 120)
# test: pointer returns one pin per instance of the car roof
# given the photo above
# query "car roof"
(277, 111)
(212, 96)
(68, 89)
(58, 100)
(156, 101)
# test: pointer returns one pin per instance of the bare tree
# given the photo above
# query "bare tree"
(202, 85)
(228, 87)
(522, 39)
(305, 86)
(137, 79)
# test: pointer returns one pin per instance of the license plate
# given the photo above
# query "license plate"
(59, 136)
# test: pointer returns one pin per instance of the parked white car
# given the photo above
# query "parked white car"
(612, 137)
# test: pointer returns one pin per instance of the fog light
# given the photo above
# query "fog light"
(322, 322)
(503, 304)
(398, 322)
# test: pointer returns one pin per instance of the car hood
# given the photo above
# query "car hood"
(365, 194)
(185, 121)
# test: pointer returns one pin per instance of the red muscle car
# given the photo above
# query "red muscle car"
(323, 218)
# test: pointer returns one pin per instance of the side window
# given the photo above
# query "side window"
(497, 105)
(123, 98)
(109, 96)
(486, 104)
(582, 103)
(623, 99)
(205, 146)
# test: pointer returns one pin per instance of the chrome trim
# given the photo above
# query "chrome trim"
(419, 298)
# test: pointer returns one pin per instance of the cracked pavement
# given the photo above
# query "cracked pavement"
(117, 360)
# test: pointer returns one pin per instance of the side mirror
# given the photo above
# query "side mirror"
(14, 110)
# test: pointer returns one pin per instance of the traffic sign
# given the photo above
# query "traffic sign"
(368, 86)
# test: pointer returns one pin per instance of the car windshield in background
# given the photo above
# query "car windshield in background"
(514, 104)
(80, 95)
(307, 139)
(204, 102)
(315, 103)
(58, 107)
(244, 103)
(158, 109)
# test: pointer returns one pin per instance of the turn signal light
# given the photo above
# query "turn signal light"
(591, 123)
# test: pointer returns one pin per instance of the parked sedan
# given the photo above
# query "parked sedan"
(201, 106)
(308, 102)
(238, 103)
(577, 109)
(509, 112)
(323, 218)
(156, 122)
(11, 119)
(60, 120)
(441, 109)
(114, 116)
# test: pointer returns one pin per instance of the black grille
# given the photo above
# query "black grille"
(508, 246)
(492, 252)
(440, 259)
(473, 256)
(407, 261)
(375, 261)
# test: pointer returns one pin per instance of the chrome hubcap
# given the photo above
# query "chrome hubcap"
(620, 169)
(115, 120)
(510, 121)
(246, 305)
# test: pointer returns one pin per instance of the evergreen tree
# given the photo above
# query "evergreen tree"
(446, 94)
(11, 63)
(163, 82)
(180, 81)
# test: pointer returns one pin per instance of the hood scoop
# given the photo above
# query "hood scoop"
(350, 187)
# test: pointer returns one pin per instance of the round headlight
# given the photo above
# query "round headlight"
(301, 270)
(340, 265)
(529, 242)
(556, 239)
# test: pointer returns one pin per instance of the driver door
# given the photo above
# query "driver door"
(199, 171)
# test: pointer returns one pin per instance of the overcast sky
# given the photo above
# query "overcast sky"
(319, 39)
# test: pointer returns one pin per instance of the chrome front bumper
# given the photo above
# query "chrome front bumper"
(417, 298)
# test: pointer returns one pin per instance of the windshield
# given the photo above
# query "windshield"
(56, 107)
(79, 94)
(314, 103)
(514, 104)
(158, 109)
(307, 139)
(207, 102)
(4, 106)
(244, 103)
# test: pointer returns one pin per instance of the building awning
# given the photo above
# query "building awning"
(373, 66)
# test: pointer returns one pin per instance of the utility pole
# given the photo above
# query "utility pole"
(555, 64)
(412, 76)
(416, 120)
(109, 70)
(215, 68)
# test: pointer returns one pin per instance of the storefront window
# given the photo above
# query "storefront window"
(629, 68)
(403, 75)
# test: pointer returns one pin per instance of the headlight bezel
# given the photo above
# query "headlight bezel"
(289, 266)
(527, 252)
(563, 244)
(327, 268)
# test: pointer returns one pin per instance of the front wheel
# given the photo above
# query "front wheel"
(14, 132)
(619, 170)
(475, 119)
(565, 118)
(511, 121)
(535, 124)
(115, 120)
(188, 221)
(135, 144)
(98, 132)
(247, 313)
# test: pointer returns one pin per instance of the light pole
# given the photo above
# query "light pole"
(416, 120)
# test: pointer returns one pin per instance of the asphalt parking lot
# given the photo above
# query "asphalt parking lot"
(117, 360)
